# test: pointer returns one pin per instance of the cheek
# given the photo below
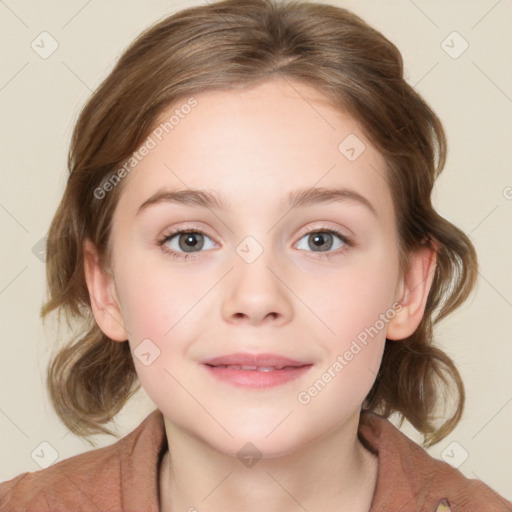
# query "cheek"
(153, 301)
(357, 316)
(155, 297)
(155, 308)
(355, 306)
(356, 298)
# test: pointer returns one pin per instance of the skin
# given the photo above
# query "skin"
(255, 146)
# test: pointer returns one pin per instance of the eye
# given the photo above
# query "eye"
(324, 241)
(184, 242)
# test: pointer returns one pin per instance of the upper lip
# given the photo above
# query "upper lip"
(245, 359)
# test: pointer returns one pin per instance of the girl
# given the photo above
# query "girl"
(247, 232)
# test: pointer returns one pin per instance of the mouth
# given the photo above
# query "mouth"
(253, 368)
(256, 370)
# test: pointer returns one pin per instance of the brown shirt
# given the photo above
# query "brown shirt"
(124, 477)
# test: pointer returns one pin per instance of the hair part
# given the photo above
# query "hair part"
(235, 44)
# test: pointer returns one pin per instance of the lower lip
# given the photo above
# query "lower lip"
(255, 379)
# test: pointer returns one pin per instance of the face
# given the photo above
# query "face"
(312, 278)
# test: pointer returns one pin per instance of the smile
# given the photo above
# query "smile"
(255, 370)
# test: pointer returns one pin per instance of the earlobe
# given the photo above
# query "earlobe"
(102, 293)
(413, 294)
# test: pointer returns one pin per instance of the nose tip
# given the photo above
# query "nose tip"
(254, 318)
(256, 295)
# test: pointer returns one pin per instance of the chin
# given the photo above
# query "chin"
(272, 438)
(247, 448)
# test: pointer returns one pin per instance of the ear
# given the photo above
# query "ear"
(413, 293)
(103, 295)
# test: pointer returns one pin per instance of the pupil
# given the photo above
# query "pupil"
(190, 242)
(319, 240)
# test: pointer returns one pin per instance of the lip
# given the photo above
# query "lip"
(246, 359)
(274, 369)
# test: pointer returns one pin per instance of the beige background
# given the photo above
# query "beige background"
(40, 100)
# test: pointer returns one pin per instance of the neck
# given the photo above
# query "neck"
(332, 473)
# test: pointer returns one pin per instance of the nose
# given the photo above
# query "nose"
(256, 294)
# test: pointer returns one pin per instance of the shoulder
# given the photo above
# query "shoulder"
(62, 483)
(409, 477)
(95, 480)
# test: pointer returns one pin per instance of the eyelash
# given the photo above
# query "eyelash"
(184, 256)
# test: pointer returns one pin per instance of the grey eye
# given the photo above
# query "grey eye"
(322, 241)
(188, 241)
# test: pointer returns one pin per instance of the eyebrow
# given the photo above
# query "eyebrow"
(297, 199)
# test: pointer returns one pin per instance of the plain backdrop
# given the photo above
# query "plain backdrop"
(470, 90)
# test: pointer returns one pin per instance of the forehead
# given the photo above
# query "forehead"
(258, 143)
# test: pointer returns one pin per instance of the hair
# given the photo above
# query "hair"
(237, 44)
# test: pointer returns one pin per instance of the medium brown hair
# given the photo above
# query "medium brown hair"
(236, 44)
